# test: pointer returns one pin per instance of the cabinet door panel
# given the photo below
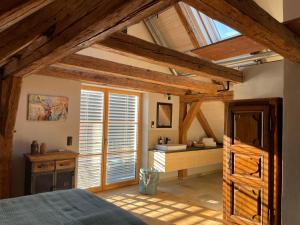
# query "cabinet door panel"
(43, 182)
(64, 180)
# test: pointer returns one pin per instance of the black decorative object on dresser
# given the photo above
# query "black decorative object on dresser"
(49, 172)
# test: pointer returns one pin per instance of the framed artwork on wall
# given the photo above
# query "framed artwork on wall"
(164, 115)
(47, 108)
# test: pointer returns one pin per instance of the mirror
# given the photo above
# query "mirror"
(164, 115)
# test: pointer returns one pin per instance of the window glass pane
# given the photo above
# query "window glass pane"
(90, 139)
(122, 138)
(121, 167)
(91, 122)
(122, 108)
(91, 106)
(89, 172)
(224, 31)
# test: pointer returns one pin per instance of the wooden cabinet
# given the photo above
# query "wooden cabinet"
(49, 172)
(252, 162)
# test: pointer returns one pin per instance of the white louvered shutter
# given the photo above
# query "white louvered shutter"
(90, 139)
(122, 138)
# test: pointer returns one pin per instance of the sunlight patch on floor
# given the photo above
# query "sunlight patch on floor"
(167, 211)
(195, 201)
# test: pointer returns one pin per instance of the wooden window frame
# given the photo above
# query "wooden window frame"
(106, 92)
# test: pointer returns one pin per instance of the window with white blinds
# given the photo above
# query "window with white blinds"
(114, 161)
(90, 139)
(122, 138)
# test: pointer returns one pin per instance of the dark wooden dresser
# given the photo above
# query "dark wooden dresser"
(49, 172)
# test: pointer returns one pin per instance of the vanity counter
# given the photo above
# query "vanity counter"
(168, 161)
(189, 149)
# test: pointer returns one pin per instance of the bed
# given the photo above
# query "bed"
(69, 207)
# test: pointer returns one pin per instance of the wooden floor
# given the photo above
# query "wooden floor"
(196, 200)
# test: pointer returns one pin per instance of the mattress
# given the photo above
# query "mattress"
(69, 207)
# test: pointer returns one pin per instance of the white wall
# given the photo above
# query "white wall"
(261, 81)
(53, 133)
(291, 143)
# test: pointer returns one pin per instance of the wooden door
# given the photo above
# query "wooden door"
(251, 162)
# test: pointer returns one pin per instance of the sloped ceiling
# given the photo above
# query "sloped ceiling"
(273, 7)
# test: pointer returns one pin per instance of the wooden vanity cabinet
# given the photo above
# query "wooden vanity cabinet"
(50, 172)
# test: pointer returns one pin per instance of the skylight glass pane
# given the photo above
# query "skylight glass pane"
(224, 31)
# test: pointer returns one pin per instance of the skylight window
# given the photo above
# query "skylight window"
(206, 29)
(224, 31)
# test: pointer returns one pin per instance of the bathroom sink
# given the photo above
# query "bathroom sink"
(171, 147)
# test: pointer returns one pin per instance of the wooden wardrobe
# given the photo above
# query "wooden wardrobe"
(252, 162)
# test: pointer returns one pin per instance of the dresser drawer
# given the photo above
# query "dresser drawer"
(65, 164)
(39, 167)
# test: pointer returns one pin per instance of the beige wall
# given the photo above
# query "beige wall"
(291, 9)
(214, 113)
(261, 81)
(273, 7)
(291, 132)
(155, 133)
(291, 143)
(53, 133)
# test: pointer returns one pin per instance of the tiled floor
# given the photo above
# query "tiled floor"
(196, 200)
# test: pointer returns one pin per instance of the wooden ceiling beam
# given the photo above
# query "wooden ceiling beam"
(134, 47)
(81, 62)
(220, 96)
(9, 100)
(65, 27)
(9, 5)
(19, 10)
(229, 48)
(190, 116)
(251, 20)
(110, 80)
(182, 115)
(205, 125)
(294, 25)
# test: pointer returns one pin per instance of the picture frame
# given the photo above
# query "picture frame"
(164, 114)
(47, 108)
